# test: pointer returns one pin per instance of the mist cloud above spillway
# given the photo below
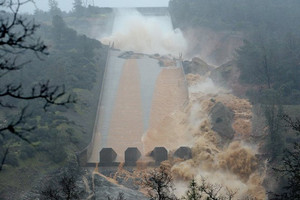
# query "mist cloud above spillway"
(145, 34)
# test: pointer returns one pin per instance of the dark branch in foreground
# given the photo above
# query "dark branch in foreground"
(55, 95)
(16, 36)
(290, 167)
(14, 128)
(4, 158)
(294, 124)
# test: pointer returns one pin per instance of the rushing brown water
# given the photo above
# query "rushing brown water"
(127, 120)
(233, 165)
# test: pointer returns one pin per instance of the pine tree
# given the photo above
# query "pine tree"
(78, 7)
(193, 191)
(53, 7)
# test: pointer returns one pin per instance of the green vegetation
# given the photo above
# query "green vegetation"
(272, 64)
(236, 14)
(289, 168)
(49, 135)
(193, 191)
(268, 66)
(269, 58)
(159, 185)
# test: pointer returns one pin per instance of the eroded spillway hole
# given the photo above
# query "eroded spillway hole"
(133, 31)
(133, 157)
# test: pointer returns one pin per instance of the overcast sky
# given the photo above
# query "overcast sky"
(66, 5)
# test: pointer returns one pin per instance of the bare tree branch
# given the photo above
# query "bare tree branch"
(14, 126)
(159, 183)
(294, 124)
(4, 158)
(16, 36)
(290, 167)
(55, 95)
(6, 105)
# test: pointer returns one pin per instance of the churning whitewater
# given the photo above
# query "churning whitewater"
(232, 164)
(145, 34)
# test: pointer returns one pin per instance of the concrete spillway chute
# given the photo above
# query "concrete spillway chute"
(138, 92)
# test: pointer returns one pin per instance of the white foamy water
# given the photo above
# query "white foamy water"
(145, 34)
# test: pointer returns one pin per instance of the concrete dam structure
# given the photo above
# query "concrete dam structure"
(138, 92)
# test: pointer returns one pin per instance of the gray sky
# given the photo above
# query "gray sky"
(66, 5)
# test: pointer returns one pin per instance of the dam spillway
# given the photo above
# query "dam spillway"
(138, 92)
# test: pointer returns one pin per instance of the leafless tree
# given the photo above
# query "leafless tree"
(65, 185)
(159, 183)
(212, 191)
(292, 123)
(18, 36)
(208, 191)
(289, 168)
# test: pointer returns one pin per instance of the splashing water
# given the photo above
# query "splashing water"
(145, 34)
(234, 166)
